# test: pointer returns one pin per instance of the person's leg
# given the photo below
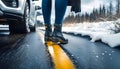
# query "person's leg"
(60, 8)
(46, 10)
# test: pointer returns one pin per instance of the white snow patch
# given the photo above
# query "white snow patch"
(97, 31)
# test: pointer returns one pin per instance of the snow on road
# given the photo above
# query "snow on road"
(97, 31)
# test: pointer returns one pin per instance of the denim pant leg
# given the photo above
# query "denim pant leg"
(60, 9)
(46, 10)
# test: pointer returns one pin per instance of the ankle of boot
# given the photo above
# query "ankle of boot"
(58, 27)
(48, 26)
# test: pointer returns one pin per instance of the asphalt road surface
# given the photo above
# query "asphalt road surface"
(23, 51)
(90, 55)
(27, 51)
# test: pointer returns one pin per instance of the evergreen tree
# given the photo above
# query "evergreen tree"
(118, 8)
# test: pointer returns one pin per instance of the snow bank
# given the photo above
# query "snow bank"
(97, 31)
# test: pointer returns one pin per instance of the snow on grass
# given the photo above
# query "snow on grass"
(97, 31)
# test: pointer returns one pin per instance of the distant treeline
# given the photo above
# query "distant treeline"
(103, 13)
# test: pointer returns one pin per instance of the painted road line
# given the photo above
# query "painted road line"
(60, 58)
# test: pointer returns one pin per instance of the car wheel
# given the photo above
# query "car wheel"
(22, 25)
(33, 28)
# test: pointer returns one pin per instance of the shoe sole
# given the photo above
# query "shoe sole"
(59, 41)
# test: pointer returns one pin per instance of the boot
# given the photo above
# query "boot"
(58, 36)
(48, 33)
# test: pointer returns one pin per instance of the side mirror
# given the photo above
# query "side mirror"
(37, 8)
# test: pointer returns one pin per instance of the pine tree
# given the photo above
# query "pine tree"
(103, 11)
(111, 8)
(118, 8)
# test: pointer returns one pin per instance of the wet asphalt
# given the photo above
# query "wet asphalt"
(27, 51)
(23, 51)
(89, 55)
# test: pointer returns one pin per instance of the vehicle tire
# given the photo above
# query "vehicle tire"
(22, 25)
(33, 28)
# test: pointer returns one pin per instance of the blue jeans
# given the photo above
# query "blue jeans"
(60, 8)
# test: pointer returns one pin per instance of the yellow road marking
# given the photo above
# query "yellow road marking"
(60, 58)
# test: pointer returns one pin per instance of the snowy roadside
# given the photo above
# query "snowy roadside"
(97, 31)
(2, 26)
